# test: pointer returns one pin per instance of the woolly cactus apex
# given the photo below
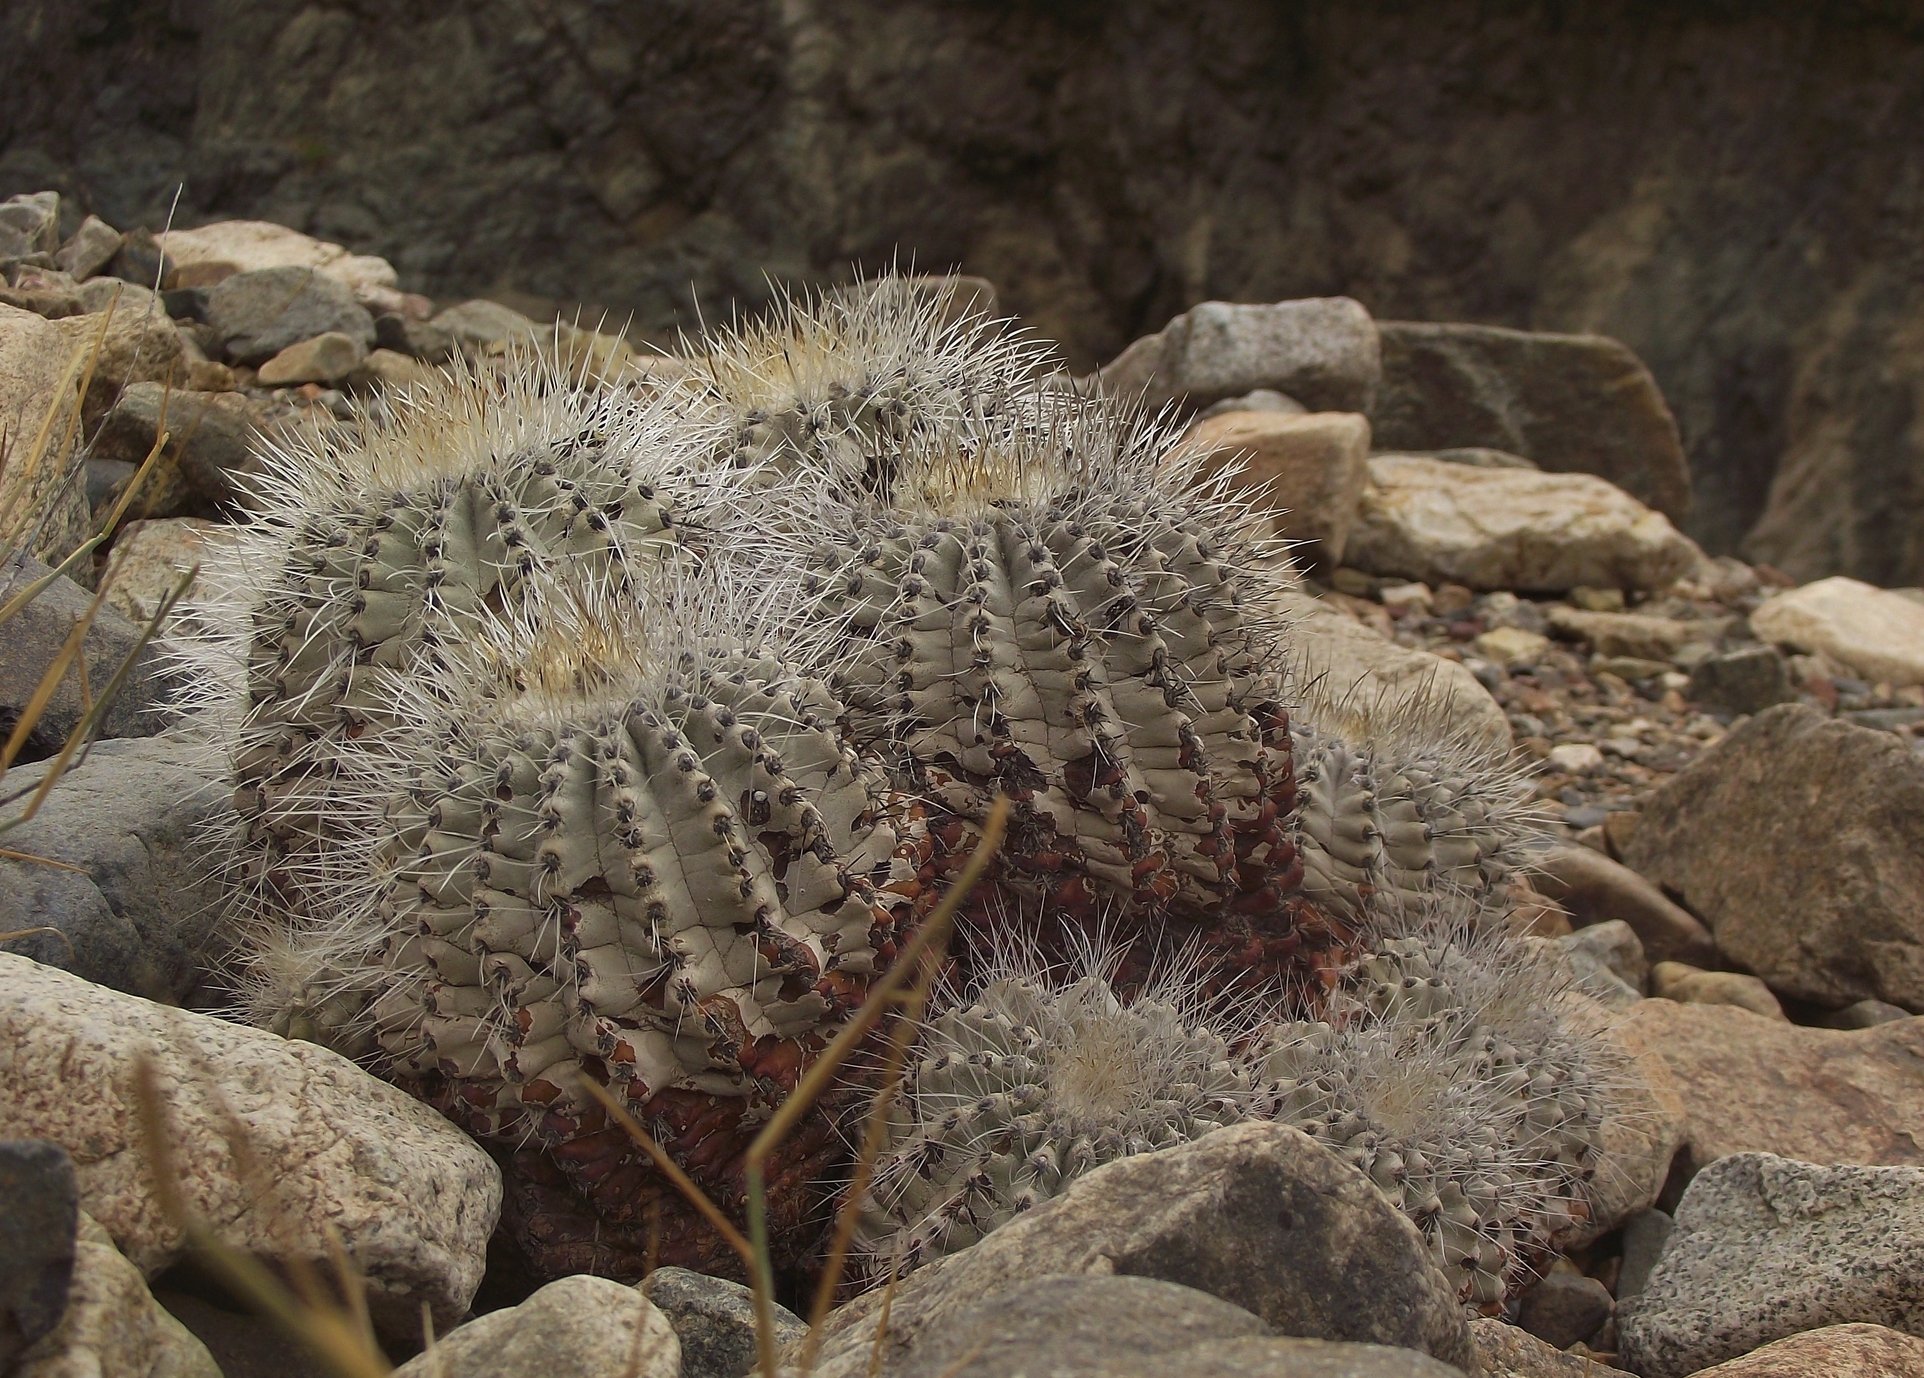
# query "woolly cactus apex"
(843, 384)
(1451, 1072)
(1074, 617)
(377, 546)
(1016, 1092)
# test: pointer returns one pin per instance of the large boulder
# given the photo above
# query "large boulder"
(1321, 351)
(124, 892)
(1570, 403)
(331, 1152)
(1512, 529)
(1800, 840)
(1305, 471)
(1257, 1214)
(577, 1327)
(1766, 1247)
(1746, 1083)
(1875, 632)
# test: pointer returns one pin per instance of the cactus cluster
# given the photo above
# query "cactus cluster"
(595, 734)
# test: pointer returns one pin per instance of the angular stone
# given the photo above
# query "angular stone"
(1875, 632)
(38, 393)
(1644, 1237)
(90, 248)
(1766, 1247)
(139, 345)
(1621, 633)
(259, 313)
(39, 1213)
(1510, 529)
(1750, 1084)
(1689, 985)
(1800, 840)
(389, 368)
(715, 1321)
(413, 1198)
(1831, 1351)
(1571, 403)
(1643, 1125)
(141, 260)
(211, 445)
(578, 1327)
(1611, 947)
(150, 558)
(1504, 1351)
(1596, 889)
(30, 224)
(1512, 647)
(1256, 1214)
(1562, 1308)
(213, 253)
(1306, 471)
(46, 292)
(1262, 399)
(327, 358)
(1321, 351)
(424, 340)
(480, 328)
(1747, 680)
(112, 1324)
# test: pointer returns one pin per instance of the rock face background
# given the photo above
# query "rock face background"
(1730, 190)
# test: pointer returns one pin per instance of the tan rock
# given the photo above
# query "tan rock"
(577, 1327)
(39, 396)
(1752, 1084)
(1512, 646)
(1510, 529)
(1505, 1351)
(1875, 632)
(138, 345)
(1306, 471)
(1831, 1351)
(148, 560)
(1644, 1122)
(413, 1198)
(391, 369)
(327, 358)
(1596, 889)
(113, 1327)
(482, 328)
(1621, 633)
(214, 253)
(1689, 985)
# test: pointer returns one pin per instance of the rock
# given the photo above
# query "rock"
(1644, 1237)
(1629, 669)
(34, 637)
(113, 1325)
(1831, 1351)
(413, 1198)
(30, 224)
(1510, 529)
(390, 369)
(1573, 758)
(209, 458)
(1611, 946)
(1596, 889)
(244, 1345)
(110, 293)
(1128, 1327)
(426, 341)
(140, 345)
(1562, 1308)
(213, 253)
(1482, 457)
(1875, 632)
(1504, 1351)
(1256, 1214)
(1689, 985)
(141, 260)
(1767, 1246)
(577, 1327)
(1747, 680)
(714, 1319)
(1367, 684)
(1800, 840)
(259, 313)
(1570, 403)
(39, 1213)
(89, 249)
(46, 292)
(480, 328)
(1512, 647)
(149, 559)
(1621, 633)
(1644, 1123)
(1321, 351)
(38, 393)
(1307, 471)
(1751, 1084)
(1262, 399)
(1866, 1014)
(327, 358)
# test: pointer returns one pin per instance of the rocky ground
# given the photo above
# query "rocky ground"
(1732, 768)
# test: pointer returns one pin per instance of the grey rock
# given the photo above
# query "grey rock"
(1866, 1014)
(485, 327)
(576, 1327)
(141, 260)
(39, 1213)
(212, 444)
(715, 1321)
(104, 476)
(259, 313)
(1596, 889)
(1800, 840)
(89, 249)
(1644, 1236)
(29, 224)
(1257, 1214)
(1504, 1351)
(1563, 1308)
(186, 303)
(1262, 399)
(1483, 457)
(1747, 680)
(1570, 403)
(112, 1325)
(424, 340)
(1127, 1327)
(1766, 1247)
(31, 643)
(132, 298)
(1608, 961)
(139, 913)
(1322, 351)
